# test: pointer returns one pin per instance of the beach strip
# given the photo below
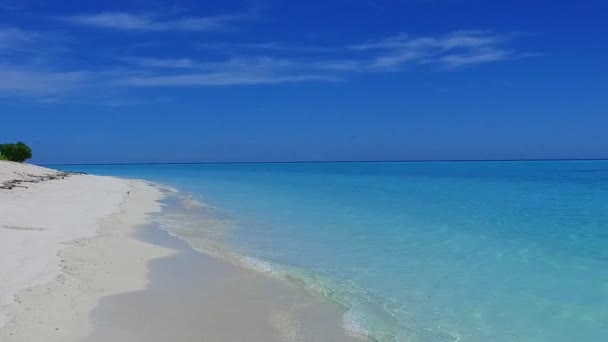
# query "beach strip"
(81, 260)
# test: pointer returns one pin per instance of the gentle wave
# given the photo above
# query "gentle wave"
(367, 315)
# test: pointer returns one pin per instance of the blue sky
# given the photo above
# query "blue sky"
(189, 81)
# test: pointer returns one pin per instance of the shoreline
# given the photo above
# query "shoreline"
(198, 297)
(104, 262)
(121, 255)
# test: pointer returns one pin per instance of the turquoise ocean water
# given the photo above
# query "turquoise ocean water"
(417, 251)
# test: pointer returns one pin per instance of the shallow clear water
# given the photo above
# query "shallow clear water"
(437, 251)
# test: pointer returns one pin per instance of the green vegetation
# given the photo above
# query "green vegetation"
(18, 152)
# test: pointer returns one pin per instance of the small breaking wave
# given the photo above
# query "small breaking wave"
(367, 315)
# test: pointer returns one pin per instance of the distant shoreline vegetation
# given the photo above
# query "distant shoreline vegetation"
(15, 152)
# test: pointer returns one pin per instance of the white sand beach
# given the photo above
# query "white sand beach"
(52, 274)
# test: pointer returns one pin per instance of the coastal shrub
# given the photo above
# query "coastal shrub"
(2, 157)
(18, 152)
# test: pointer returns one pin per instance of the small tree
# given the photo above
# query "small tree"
(18, 152)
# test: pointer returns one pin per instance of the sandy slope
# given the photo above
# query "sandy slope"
(24, 172)
(38, 219)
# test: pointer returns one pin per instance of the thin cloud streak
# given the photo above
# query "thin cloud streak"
(476, 58)
(220, 79)
(453, 49)
(269, 47)
(34, 81)
(13, 38)
(235, 71)
(149, 22)
(177, 63)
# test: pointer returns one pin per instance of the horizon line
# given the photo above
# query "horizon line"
(336, 161)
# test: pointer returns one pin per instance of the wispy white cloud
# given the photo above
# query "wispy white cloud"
(171, 63)
(453, 49)
(269, 46)
(28, 69)
(221, 79)
(476, 57)
(456, 49)
(259, 63)
(25, 45)
(153, 22)
(459, 48)
(14, 38)
(22, 70)
(457, 39)
(115, 20)
(34, 81)
(234, 71)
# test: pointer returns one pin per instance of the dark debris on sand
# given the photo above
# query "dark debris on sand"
(16, 183)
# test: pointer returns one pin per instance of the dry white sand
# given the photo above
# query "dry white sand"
(48, 290)
(24, 172)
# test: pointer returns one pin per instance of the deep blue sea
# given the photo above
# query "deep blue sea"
(417, 251)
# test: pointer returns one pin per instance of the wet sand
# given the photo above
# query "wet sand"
(194, 297)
